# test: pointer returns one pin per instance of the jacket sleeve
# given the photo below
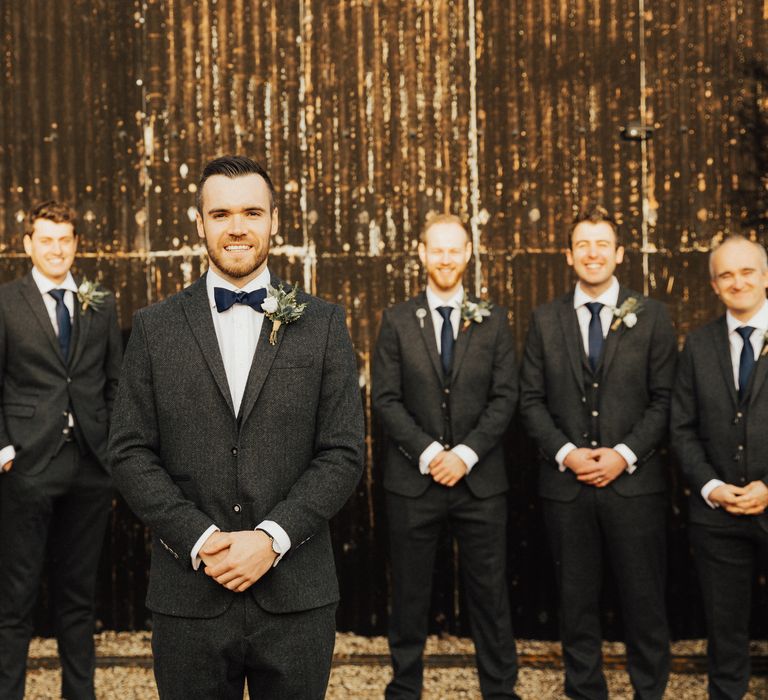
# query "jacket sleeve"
(387, 394)
(134, 446)
(502, 395)
(323, 488)
(684, 425)
(650, 430)
(534, 409)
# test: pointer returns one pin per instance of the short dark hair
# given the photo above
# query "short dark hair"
(595, 213)
(232, 166)
(52, 210)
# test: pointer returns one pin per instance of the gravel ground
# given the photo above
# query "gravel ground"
(354, 681)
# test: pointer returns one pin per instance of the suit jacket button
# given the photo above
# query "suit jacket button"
(69, 380)
(596, 385)
(446, 390)
(65, 414)
(583, 399)
(234, 451)
(236, 508)
(585, 435)
(595, 413)
(593, 443)
(741, 448)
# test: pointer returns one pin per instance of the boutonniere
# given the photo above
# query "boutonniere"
(91, 294)
(280, 307)
(474, 312)
(764, 351)
(627, 313)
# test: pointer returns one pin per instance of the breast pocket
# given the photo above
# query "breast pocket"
(293, 361)
(19, 410)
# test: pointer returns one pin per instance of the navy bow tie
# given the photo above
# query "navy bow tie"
(226, 298)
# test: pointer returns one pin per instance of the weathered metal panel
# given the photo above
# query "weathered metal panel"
(369, 115)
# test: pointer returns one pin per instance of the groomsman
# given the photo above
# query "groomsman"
(595, 390)
(445, 389)
(238, 435)
(60, 354)
(719, 419)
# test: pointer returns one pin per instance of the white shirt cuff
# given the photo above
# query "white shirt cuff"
(629, 456)
(562, 453)
(466, 455)
(281, 541)
(708, 488)
(428, 455)
(6, 455)
(199, 544)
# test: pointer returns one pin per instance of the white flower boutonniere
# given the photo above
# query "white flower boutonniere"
(280, 307)
(627, 313)
(91, 294)
(474, 312)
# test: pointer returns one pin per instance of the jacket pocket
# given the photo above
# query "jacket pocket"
(19, 410)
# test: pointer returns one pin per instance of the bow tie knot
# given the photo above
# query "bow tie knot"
(226, 298)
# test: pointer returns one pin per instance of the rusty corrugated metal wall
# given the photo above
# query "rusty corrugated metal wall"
(369, 114)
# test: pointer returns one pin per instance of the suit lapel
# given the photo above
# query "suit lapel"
(572, 336)
(760, 373)
(460, 349)
(261, 363)
(32, 296)
(82, 322)
(198, 312)
(427, 331)
(723, 351)
(613, 337)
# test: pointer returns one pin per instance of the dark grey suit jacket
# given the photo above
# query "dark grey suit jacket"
(714, 434)
(184, 461)
(409, 393)
(39, 387)
(637, 367)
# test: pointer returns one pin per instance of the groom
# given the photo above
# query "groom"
(236, 451)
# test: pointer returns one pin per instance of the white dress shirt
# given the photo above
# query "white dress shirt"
(610, 300)
(237, 330)
(760, 323)
(45, 285)
(464, 453)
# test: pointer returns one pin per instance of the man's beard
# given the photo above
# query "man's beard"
(448, 281)
(237, 269)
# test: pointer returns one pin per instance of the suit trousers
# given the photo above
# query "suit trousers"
(65, 509)
(480, 527)
(631, 534)
(284, 656)
(725, 561)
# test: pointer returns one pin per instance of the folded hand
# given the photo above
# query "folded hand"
(249, 556)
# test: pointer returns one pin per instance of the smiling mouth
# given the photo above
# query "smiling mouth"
(236, 248)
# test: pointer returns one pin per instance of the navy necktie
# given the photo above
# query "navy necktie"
(446, 338)
(226, 298)
(595, 333)
(63, 321)
(747, 359)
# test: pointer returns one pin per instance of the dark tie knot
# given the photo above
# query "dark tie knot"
(58, 294)
(226, 298)
(745, 332)
(445, 312)
(595, 307)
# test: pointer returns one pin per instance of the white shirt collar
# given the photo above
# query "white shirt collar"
(45, 285)
(455, 301)
(213, 280)
(610, 297)
(759, 320)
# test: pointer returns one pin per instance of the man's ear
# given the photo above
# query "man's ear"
(468, 251)
(199, 222)
(569, 257)
(275, 222)
(423, 253)
(27, 244)
(619, 254)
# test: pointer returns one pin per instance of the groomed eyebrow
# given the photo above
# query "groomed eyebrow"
(228, 210)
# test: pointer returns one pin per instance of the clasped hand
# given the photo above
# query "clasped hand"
(447, 468)
(237, 560)
(598, 467)
(751, 499)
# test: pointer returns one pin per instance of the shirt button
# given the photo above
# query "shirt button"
(65, 414)
(739, 415)
(234, 451)
(69, 380)
(741, 448)
(595, 385)
(595, 413)
(446, 391)
(236, 508)
(583, 399)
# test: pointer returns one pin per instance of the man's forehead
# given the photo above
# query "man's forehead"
(47, 227)
(735, 255)
(220, 191)
(593, 231)
(446, 234)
